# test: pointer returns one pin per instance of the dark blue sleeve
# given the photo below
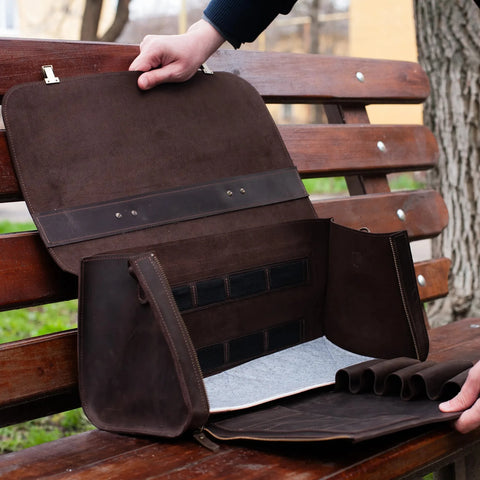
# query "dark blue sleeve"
(240, 21)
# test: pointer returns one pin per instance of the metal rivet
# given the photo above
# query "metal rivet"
(118, 215)
(381, 146)
(134, 213)
(474, 325)
(401, 215)
(242, 191)
(360, 76)
(229, 193)
(421, 280)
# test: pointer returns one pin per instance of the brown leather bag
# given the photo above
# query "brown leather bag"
(196, 245)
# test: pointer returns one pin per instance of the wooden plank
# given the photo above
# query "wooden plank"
(28, 275)
(334, 150)
(435, 278)
(22, 60)
(357, 114)
(283, 77)
(320, 150)
(425, 212)
(107, 456)
(9, 188)
(38, 377)
(34, 367)
(308, 78)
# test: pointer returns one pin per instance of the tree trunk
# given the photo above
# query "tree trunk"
(449, 51)
(121, 19)
(91, 20)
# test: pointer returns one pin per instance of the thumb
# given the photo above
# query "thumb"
(464, 399)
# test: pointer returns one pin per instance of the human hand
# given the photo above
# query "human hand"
(175, 58)
(467, 401)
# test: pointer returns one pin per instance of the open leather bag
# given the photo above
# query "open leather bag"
(198, 252)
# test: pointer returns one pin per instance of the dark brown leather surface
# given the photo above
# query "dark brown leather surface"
(99, 139)
(138, 370)
(243, 294)
(369, 400)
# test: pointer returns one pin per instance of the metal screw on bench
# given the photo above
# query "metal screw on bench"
(229, 193)
(360, 76)
(381, 146)
(421, 280)
(118, 215)
(401, 215)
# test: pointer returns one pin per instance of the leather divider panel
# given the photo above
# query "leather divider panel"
(221, 355)
(241, 284)
(78, 224)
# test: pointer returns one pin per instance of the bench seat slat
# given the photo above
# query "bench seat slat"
(425, 212)
(320, 150)
(279, 77)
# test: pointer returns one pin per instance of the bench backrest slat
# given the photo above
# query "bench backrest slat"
(407, 148)
(279, 77)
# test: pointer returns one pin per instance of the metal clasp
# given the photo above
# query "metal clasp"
(205, 69)
(49, 75)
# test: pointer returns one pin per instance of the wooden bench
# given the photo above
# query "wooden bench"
(38, 376)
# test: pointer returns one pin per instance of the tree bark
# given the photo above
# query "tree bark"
(449, 51)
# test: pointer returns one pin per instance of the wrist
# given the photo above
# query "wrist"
(207, 38)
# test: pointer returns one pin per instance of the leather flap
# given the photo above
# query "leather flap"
(97, 158)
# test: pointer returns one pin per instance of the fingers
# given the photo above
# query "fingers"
(469, 420)
(468, 393)
(172, 72)
(175, 58)
(467, 401)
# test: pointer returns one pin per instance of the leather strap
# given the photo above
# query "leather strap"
(72, 225)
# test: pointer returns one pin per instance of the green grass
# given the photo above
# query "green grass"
(6, 226)
(337, 185)
(35, 432)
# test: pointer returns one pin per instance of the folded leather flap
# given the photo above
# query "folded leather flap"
(405, 377)
(138, 371)
(103, 165)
